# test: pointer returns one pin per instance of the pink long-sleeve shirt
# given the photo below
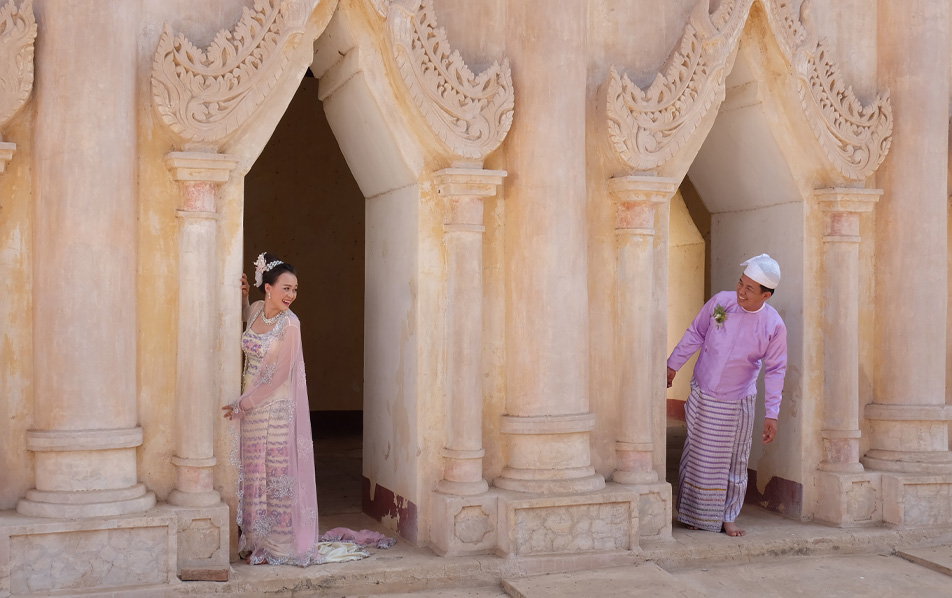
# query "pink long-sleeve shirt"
(732, 354)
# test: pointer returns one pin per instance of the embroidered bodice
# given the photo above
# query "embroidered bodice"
(255, 347)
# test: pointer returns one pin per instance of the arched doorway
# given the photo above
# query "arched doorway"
(303, 204)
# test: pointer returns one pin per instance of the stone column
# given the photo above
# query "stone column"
(196, 389)
(85, 424)
(463, 190)
(909, 430)
(635, 200)
(841, 238)
(548, 422)
(203, 521)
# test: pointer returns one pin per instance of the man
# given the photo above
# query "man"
(737, 333)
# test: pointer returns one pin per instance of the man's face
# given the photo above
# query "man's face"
(749, 294)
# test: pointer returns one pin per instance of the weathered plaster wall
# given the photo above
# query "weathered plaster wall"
(391, 443)
(302, 203)
(685, 286)
(16, 310)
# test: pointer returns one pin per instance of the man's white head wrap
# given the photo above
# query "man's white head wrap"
(763, 269)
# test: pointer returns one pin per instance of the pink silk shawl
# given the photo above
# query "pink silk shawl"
(284, 362)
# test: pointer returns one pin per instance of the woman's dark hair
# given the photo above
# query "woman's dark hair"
(272, 275)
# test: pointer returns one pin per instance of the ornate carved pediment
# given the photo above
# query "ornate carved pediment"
(855, 138)
(647, 128)
(17, 33)
(471, 114)
(205, 95)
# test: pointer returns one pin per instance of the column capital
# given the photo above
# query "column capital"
(6, 154)
(200, 167)
(468, 182)
(847, 200)
(635, 199)
(842, 206)
(648, 189)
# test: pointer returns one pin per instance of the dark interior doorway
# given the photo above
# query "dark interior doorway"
(303, 204)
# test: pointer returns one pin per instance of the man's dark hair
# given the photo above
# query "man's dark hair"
(764, 289)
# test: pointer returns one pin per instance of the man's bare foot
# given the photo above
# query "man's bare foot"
(731, 529)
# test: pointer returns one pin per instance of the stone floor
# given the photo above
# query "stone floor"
(779, 557)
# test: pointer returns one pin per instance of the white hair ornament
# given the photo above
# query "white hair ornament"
(261, 267)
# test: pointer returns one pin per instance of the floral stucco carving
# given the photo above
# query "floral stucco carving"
(17, 34)
(647, 128)
(471, 114)
(855, 138)
(205, 95)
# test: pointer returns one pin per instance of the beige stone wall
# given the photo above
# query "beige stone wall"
(16, 311)
(685, 287)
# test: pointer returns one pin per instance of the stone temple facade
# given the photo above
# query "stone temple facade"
(541, 194)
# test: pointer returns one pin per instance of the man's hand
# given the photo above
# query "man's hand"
(671, 374)
(770, 430)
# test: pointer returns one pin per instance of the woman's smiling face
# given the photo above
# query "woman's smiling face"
(283, 292)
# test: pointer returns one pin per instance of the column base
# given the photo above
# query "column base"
(521, 481)
(84, 504)
(462, 488)
(464, 525)
(917, 500)
(603, 521)
(549, 454)
(99, 555)
(179, 498)
(654, 509)
(849, 499)
(841, 467)
(920, 462)
(203, 542)
(634, 466)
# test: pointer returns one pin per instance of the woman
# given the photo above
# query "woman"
(277, 496)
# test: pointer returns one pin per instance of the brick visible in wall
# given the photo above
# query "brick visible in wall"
(780, 495)
(387, 504)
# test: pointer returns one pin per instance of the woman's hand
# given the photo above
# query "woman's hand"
(232, 413)
(245, 289)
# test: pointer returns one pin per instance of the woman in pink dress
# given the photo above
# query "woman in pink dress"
(277, 494)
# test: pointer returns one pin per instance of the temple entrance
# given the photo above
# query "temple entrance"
(740, 198)
(303, 204)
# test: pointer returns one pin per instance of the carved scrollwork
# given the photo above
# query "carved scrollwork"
(471, 114)
(17, 33)
(646, 128)
(205, 95)
(855, 138)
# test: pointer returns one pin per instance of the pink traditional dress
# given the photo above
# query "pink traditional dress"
(277, 494)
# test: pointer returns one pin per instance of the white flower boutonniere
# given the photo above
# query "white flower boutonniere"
(720, 316)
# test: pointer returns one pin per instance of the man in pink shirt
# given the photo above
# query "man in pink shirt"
(737, 333)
